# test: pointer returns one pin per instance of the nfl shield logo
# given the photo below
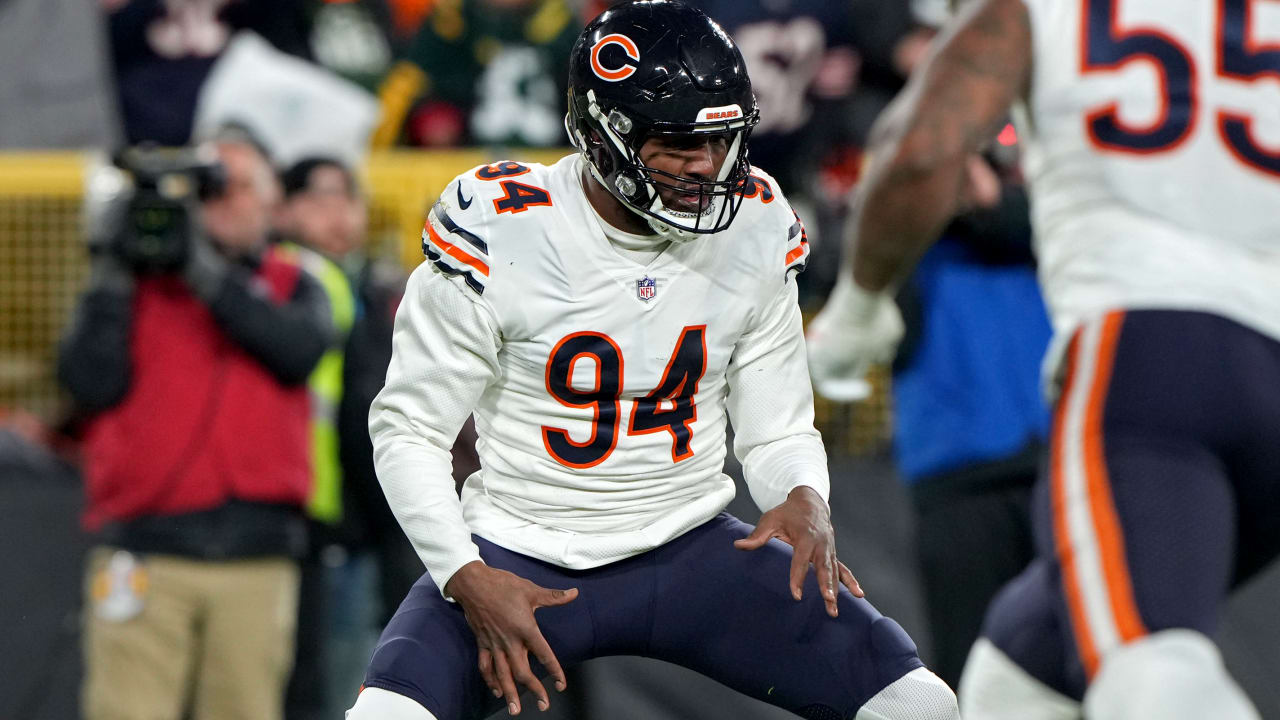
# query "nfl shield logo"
(646, 288)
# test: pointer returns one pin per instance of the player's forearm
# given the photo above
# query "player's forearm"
(771, 406)
(906, 201)
(913, 183)
(920, 145)
(417, 480)
(774, 469)
(412, 426)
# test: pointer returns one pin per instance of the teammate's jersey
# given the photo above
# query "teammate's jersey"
(602, 420)
(1153, 152)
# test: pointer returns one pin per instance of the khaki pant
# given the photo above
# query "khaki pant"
(167, 637)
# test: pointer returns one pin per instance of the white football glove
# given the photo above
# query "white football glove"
(855, 330)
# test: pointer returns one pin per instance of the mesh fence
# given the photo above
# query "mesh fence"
(42, 267)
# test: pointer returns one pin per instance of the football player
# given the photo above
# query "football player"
(1153, 151)
(604, 318)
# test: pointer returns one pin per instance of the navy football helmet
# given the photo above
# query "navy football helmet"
(660, 67)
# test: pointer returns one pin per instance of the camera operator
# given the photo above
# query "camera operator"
(190, 352)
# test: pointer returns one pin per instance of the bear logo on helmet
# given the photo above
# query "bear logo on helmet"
(623, 72)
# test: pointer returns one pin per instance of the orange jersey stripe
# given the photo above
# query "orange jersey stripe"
(1103, 521)
(1102, 506)
(455, 252)
(796, 252)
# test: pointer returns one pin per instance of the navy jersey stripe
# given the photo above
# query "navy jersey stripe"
(458, 230)
(437, 260)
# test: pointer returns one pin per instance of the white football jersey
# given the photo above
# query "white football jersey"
(1153, 152)
(602, 414)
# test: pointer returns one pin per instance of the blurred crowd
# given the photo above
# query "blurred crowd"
(448, 73)
(221, 393)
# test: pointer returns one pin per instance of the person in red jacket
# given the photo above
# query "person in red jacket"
(197, 461)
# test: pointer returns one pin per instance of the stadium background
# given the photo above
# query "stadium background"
(42, 268)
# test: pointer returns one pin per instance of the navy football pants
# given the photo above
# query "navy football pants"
(1162, 491)
(696, 601)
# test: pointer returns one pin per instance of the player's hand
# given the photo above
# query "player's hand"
(854, 330)
(804, 523)
(499, 607)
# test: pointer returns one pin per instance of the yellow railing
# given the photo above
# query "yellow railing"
(43, 266)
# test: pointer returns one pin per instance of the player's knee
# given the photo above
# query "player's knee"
(1171, 675)
(890, 642)
(918, 695)
(379, 704)
(993, 687)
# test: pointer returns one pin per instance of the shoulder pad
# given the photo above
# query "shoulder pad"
(464, 221)
(767, 209)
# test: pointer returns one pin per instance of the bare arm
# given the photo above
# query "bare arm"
(920, 145)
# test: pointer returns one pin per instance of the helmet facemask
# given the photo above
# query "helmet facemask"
(611, 141)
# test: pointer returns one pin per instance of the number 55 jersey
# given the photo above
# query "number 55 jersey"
(1153, 151)
(601, 386)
